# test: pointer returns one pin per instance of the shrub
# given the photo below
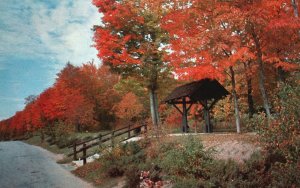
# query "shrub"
(132, 176)
(187, 183)
(285, 175)
(283, 132)
(224, 173)
(121, 159)
(187, 164)
(256, 122)
(186, 159)
(114, 170)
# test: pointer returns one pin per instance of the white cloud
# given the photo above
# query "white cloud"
(66, 30)
(16, 34)
(57, 33)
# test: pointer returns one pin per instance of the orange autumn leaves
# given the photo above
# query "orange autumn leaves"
(200, 32)
(81, 97)
(129, 107)
(206, 37)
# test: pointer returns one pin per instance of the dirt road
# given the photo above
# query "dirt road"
(27, 166)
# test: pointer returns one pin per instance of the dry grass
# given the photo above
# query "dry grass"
(238, 147)
(93, 173)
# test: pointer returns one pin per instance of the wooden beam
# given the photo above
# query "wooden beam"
(178, 109)
(190, 107)
(180, 102)
(212, 104)
(204, 104)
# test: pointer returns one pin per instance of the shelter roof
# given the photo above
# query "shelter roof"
(205, 89)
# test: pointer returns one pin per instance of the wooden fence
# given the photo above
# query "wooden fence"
(82, 147)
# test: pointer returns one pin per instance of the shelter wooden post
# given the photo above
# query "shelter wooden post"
(207, 127)
(185, 127)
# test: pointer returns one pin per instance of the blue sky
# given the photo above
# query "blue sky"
(37, 38)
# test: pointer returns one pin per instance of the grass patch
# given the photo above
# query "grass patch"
(93, 172)
(57, 147)
(36, 140)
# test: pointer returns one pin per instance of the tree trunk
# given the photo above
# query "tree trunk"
(250, 101)
(295, 6)
(281, 74)
(236, 107)
(251, 109)
(262, 87)
(154, 107)
(77, 126)
(261, 77)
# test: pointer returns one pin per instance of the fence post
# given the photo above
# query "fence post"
(112, 138)
(84, 154)
(74, 152)
(100, 140)
(129, 131)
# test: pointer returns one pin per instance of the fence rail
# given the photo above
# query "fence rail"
(83, 146)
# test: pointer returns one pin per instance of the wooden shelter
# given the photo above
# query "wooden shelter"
(206, 92)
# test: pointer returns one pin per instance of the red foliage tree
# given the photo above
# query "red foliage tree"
(273, 34)
(215, 35)
(207, 44)
(131, 41)
(129, 108)
(77, 98)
